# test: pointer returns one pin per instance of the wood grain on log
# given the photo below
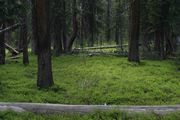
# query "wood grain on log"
(82, 109)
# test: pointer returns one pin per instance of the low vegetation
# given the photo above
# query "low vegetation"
(94, 116)
(94, 80)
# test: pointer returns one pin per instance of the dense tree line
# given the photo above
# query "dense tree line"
(60, 25)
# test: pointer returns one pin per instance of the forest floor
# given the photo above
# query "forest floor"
(113, 115)
(94, 80)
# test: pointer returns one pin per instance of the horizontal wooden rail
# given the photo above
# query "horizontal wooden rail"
(82, 109)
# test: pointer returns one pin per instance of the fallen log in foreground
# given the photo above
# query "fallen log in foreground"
(82, 109)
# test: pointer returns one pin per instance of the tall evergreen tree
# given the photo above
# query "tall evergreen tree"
(134, 21)
(45, 78)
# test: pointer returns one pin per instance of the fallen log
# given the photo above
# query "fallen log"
(11, 49)
(102, 47)
(10, 28)
(16, 57)
(84, 109)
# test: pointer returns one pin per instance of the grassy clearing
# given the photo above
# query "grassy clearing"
(94, 116)
(94, 80)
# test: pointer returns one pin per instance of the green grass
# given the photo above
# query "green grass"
(94, 80)
(93, 116)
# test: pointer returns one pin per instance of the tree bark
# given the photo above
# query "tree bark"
(2, 48)
(24, 34)
(75, 26)
(58, 27)
(39, 108)
(109, 20)
(45, 78)
(134, 31)
(163, 45)
(58, 48)
(34, 41)
(64, 27)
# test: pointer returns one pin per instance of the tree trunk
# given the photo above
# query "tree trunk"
(2, 48)
(58, 49)
(58, 28)
(117, 35)
(91, 22)
(64, 27)
(163, 45)
(109, 20)
(134, 31)
(34, 41)
(24, 29)
(45, 79)
(20, 42)
(75, 26)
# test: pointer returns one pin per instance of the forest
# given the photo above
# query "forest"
(89, 59)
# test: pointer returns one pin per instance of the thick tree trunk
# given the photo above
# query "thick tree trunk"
(2, 48)
(45, 79)
(134, 31)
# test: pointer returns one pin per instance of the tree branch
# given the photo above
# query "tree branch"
(10, 28)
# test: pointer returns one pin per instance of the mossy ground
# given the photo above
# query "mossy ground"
(113, 115)
(93, 116)
(94, 80)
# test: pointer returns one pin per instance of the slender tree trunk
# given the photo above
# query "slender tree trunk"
(45, 79)
(2, 48)
(91, 22)
(82, 32)
(75, 26)
(163, 44)
(117, 35)
(109, 20)
(24, 29)
(20, 42)
(58, 28)
(34, 41)
(64, 27)
(134, 31)
(58, 49)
